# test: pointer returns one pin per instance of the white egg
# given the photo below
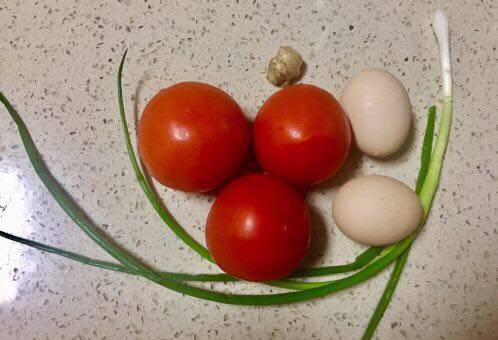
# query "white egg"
(376, 210)
(379, 111)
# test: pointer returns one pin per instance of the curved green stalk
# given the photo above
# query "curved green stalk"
(361, 261)
(284, 298)
(441, 29)
(66, 203)
(425, 158)
(115, 266)
(434, 173)
(222, 277)
(165, 216)
(386, 295)
(162, 274)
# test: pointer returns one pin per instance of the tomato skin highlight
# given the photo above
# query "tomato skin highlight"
(301, 134)
(192, 137)
(258, 228)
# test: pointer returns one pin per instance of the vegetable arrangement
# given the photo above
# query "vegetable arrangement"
(259, 227)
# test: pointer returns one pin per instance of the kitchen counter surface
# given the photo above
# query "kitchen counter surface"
(58, 64)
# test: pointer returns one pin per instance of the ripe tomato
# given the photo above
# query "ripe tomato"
(258, 228)
(192, 136)
(302, 135)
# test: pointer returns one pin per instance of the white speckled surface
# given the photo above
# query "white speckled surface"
(58, 61)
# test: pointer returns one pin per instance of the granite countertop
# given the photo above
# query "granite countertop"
(58, 64)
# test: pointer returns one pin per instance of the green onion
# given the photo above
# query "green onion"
(386, 295)
(441, 29)
(426, 148)
(170, 275)
(428, 180)
(361, 261)
(400, 262)
(115, 266)
(59, 194)
(165, 216)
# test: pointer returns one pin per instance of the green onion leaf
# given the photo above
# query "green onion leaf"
(401, 261)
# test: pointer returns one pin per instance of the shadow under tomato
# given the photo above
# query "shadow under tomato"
(345, 173)
(319, 239)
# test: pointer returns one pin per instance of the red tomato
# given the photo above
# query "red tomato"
(192, 137)
(258, 228)
(302, 135)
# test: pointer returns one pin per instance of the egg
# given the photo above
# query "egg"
(379, 111)
(376, 210)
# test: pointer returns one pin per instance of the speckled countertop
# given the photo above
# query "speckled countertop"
(58, 62)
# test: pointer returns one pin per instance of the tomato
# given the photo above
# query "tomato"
(258, 228)
(302, 135)
(192, 137)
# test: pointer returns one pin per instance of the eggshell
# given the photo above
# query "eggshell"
(376, 210)
(379, 110)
